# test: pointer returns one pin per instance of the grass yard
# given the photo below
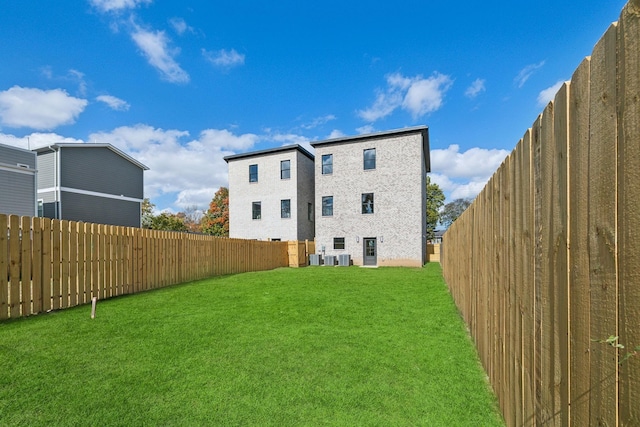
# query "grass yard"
(289, 347)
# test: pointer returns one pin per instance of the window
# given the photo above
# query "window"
(370, 158)
(256, 210)
(327, 164)
(285, 208)
(327, 206)
(367, 203)
(310, 211)
(285, 169)
(40, 208)
(338, 243)
(253, 173)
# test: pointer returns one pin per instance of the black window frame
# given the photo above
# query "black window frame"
(287, 169)
(256, 213)
(337, 244)
(365, 205)
(327, 169)
(326, 206)
(285, 213)
(253, 175)
(369, 164)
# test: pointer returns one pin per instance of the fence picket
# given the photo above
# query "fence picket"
(14, 265)
(25, 261)
(4, 267)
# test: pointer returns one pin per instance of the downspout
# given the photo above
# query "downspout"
(56, 180)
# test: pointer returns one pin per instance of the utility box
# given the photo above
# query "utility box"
(315, 259)
(330, 260)
(344, 260)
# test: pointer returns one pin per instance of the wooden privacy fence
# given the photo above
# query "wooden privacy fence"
(545, 264)
(51, 264)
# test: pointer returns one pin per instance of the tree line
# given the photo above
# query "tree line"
(439, 213)
(214, 221)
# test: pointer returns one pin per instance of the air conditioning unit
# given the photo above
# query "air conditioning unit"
(344, 260)
(315, 259)
(330, 260)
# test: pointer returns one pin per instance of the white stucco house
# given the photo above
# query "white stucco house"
(271, 194)
(370, 197)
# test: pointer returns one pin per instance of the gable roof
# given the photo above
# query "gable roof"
(270, 151)
(424, 130)
(121, 153)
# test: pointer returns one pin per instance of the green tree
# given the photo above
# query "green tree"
(168, 222)
(147, 212)
(216, 220)
(435, 201)
(453, 210)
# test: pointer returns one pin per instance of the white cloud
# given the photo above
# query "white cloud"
(362, 130)
(180, 26)
(189, 171)
(117, 5)
(155, 47)
(547, 95)
(39, 109)
(526, 72)
(35, 140)
(425, 95)
(224, 58)
(464, 175)
(475, 163)
(476, 88)
(417, 95)
(113, 102)
(336, 133)
(318, 121)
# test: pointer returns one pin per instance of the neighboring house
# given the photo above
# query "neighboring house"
(271, 194)
(371, 197)
(91, 183)
(437, 237)
(17, 181)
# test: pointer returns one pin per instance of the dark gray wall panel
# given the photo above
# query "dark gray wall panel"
(100, 210)
(101, 170)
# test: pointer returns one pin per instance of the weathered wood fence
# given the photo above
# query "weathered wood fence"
(545, 263)
(50, 264)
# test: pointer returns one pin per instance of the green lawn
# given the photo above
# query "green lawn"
(310, 346)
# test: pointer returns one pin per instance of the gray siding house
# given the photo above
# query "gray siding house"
(91, 183)
(17, 181)
(271, 194)
(371, 197)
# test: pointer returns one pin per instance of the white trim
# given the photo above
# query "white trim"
(89, 193)
(17, 169)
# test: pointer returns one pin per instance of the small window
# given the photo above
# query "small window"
(285, 208)
(367, 203)
(285, 169)
(40, 208)
(310, 211)
(327, 164)
(338, 243)
(370, 158)
(256, 210)
(327, 206)
(253, 173)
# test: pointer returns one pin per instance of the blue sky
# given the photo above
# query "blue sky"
(180, 84)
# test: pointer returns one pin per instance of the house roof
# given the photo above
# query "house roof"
(270, 151)
(82, 145)
(424, 130)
